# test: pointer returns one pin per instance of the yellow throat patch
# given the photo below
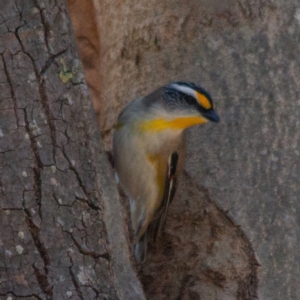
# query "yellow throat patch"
(180, 123)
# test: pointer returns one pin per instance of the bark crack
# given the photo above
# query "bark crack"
(35, 233)
(73, 277)
(20, 296)
(43, 282)
(20, 10)
(81, 184)
(43, 96)
(42, 277)
(38, 165)
(83, 251)
(88, 202)
(51, 60)
(12, 92)
(45, 23)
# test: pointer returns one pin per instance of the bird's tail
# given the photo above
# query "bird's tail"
(140, 249)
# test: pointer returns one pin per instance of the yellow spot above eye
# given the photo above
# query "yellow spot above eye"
(157, 125)
(203, 100)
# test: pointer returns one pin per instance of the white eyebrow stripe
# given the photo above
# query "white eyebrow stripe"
(185, 89)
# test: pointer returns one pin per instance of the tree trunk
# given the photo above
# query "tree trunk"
(62, 235)
(232, 231)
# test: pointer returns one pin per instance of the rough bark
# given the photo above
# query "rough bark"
(61, 229)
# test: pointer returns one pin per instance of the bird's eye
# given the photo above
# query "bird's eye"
(190, 100)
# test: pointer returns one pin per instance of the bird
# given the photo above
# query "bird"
(149, 149)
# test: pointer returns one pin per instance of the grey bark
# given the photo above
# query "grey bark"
(62, 235)
(246, 53)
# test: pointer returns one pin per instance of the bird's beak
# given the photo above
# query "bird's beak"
(211, 115)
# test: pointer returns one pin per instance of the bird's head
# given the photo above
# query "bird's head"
(189, 99)
(180, 105)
